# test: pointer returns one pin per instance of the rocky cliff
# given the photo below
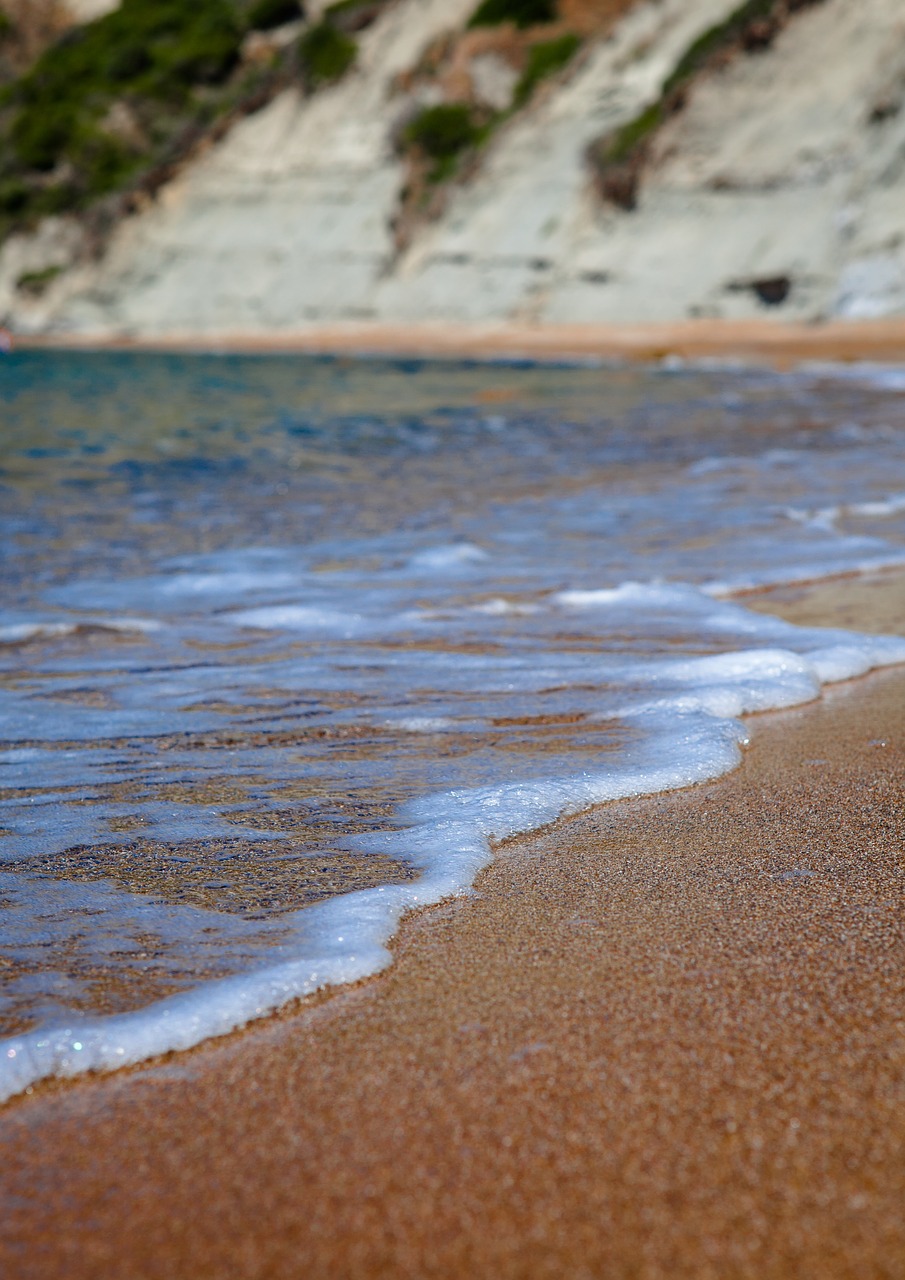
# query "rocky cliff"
(775, 184)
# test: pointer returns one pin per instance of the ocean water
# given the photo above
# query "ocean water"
(288, 643)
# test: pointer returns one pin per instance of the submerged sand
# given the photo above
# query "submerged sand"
(665, 1039)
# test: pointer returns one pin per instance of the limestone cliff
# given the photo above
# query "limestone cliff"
(778, 188)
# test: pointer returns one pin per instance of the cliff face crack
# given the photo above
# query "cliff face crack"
(772, 291)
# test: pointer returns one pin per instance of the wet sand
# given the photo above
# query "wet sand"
(767, 341)
(666, 1039)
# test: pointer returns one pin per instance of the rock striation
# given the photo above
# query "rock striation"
(778, 189)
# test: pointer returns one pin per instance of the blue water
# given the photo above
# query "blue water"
(286, 642)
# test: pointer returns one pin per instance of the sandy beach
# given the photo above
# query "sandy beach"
(452, 647)
(765, 342)
(663, 1039)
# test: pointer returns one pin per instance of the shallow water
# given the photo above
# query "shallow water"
(286, 643)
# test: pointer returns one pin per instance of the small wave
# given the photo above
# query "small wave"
(26, 632)
(690, 733)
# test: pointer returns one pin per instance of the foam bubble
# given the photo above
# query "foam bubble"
(299, 618)
(454, 555)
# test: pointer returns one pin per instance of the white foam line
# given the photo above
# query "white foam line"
(693, 735)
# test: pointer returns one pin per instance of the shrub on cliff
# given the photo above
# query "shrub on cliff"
(545, 59)
(110, 97)
(156, 49)
(442, 133)
(522, 13)
(264, 15)
(326, 53)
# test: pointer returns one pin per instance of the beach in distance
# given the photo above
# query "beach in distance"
(452, 815)
(753, 341)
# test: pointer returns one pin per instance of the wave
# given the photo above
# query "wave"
(685, 716)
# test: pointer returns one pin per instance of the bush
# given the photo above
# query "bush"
(35, 282)
(442, 132)
(325, 53)
(170, 64)
(128, 61)
(101, 162)
(264, 15)
(202, 57)
(40, 136)
(150, 48)
(544, 60)
(61, 197)
(14, 196)
(523, 13)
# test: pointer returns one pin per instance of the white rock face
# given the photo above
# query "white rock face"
(786, 165)
(285, 222)
(779, 167)
(56, 245)
(507, 245)
(493, 80)
(88, 10)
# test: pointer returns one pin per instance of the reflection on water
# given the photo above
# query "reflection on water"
(260, 612)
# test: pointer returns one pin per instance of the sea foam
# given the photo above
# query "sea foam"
(688, 732)
(377, 648)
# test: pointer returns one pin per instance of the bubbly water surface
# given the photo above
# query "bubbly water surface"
(287, 643)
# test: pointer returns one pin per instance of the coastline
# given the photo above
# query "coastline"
(675, 1051)
(765, 342)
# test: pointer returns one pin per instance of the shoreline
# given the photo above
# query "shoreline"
(760, 342)
(675, 1051)
(217, 1009)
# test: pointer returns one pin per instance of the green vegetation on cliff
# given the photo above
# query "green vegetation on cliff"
(35, 282)
(617, 159)
(545, 59)
(522, 13)
(443, 133)
(264, 15)
(113, 105)
(443, 142)
(110, 97)
(326, 53)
